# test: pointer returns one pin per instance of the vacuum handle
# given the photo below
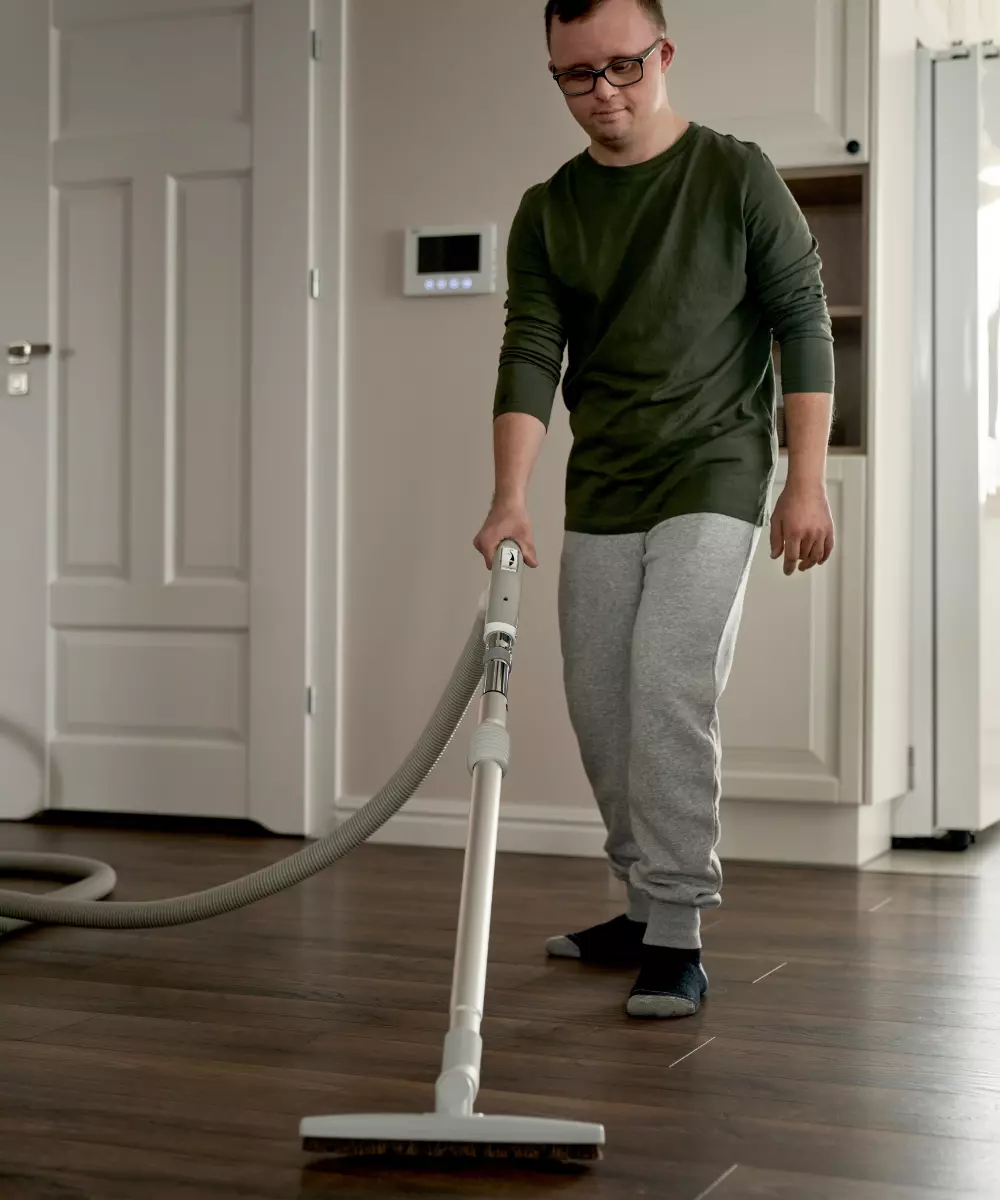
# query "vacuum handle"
(504, 604)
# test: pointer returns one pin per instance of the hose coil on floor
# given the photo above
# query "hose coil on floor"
(66, 908)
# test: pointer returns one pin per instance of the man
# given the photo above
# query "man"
(666, 256)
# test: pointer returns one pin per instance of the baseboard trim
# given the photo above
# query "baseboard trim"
(524, 828)
(810, 834)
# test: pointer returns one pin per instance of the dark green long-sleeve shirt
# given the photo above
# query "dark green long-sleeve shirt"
(666, 281)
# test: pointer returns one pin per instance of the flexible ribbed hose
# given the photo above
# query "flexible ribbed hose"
(238, 893)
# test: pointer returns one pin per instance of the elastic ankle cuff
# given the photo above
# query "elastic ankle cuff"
(638, 905)
(674, 925)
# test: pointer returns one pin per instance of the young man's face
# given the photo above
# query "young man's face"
(618, 30)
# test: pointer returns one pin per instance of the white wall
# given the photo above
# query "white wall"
(941, 22)
(450, 116)
(419, 382)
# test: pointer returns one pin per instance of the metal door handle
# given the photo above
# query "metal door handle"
(20, 353)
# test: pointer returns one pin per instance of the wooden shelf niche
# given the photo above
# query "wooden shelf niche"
(834, 201)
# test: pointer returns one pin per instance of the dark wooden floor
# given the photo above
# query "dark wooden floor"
(843, 1054)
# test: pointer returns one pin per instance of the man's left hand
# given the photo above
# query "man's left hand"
(802, 527)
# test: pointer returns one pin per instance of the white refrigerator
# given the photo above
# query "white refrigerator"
(955, 715)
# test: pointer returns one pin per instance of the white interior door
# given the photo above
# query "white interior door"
(155, 192)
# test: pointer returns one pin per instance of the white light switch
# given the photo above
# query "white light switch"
(17, 383)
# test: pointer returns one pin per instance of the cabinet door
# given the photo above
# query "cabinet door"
(791, 75)
(792, 714)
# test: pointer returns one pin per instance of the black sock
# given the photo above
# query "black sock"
(670, 970)
(618, 941)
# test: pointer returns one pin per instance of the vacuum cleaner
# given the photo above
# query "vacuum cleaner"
(454, 1129)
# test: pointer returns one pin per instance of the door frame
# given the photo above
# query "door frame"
(327, 439)
(283, 394)
(915, 814)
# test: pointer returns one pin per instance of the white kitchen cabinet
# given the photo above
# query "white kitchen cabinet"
(790, 75)
(791, 715)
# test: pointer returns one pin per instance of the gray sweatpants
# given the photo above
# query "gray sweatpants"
(648, 626)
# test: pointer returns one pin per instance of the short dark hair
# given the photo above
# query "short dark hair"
(566, 11)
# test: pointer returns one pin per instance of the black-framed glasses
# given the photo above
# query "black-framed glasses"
(623, 72)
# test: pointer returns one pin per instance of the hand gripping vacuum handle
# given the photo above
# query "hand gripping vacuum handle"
(505, 590)
(502, 615)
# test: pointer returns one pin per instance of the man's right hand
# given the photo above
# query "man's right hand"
(506, 521)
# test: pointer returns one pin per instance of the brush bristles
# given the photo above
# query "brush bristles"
(363, 1148)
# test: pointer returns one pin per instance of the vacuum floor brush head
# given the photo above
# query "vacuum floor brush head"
(437, 1136)
(455, 1151)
